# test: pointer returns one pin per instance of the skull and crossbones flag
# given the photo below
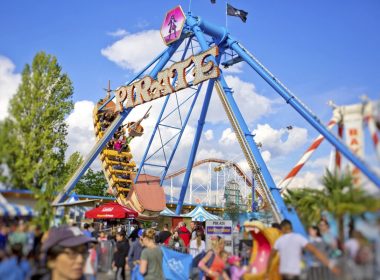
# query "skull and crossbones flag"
(231, 11)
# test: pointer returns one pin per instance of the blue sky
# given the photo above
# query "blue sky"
(321, 50)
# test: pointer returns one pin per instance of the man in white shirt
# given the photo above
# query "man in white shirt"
(289, 246)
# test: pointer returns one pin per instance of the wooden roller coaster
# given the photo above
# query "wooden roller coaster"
(147, 198)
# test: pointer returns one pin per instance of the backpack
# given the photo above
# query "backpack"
(200, 256)
(364, 255)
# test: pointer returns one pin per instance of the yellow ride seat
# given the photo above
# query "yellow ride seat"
(115, 179)
(110, 162)
(117, 171)
(113, 153)
(125, 190)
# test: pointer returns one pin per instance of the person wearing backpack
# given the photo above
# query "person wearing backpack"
(213, 263)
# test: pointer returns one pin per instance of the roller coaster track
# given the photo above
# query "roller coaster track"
(213, 160)
(236, 167)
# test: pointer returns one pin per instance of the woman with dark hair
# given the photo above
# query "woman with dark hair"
(151, 257)
(66, 249)
(176, 243)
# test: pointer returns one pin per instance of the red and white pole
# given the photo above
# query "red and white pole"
(305, 157)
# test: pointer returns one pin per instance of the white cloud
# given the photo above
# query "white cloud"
(306, 179)
(321, 162)
(209, 153)
(9, 82)
(228, 137)
(200, 176)
(80, 135)
(141, 24)
(251, 104)
(236, 68)
(282, 141)
(209, 135)
(118, 33)
(244, 166)
(135, 50)
(266, 156)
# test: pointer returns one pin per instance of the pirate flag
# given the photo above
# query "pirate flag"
(231, 11)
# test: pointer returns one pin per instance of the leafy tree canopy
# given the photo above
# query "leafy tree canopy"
(338, 197)
(33, 143)
(92, 183)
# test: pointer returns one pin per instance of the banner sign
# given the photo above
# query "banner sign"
(176, 265)
(353, 123)
(147, 89)
(223, 229)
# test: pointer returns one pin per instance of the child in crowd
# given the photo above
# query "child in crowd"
(236, 270)
(91, 264)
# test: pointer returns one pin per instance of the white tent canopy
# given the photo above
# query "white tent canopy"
(199, 214)
(167, 212)
(14, 210)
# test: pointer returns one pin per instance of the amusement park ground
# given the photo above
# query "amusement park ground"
(109, 276)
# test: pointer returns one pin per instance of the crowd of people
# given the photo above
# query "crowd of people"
(70, 252)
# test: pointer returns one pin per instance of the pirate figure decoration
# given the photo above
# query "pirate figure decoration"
(172, 27)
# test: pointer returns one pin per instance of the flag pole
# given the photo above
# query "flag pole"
(189, 5)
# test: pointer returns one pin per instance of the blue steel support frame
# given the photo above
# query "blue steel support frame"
(194, 148)
(303, 111)
(284, 212)
(158, 123)
(180, 135)
(221, 34)
(91, 156)
(164, 58)
(204, 46)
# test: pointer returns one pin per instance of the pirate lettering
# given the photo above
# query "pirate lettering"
(147, 89)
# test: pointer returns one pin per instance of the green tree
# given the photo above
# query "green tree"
(34, 146)
(71, 165)
(92, 183)
(338, 197)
